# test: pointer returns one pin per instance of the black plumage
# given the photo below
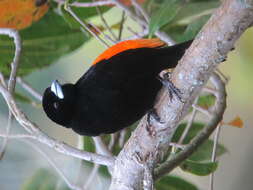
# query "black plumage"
(114, 93)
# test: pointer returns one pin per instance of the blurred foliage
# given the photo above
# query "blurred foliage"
(43, 43)
(182, 20)
(22, 98)
(204, 152)
(197, 168)
(206, 101)
(174, 183)
(164, 15)
(44, 179)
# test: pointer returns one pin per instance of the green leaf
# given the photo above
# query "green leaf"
(204, 152)
(194, 10)
(175, 32)
(83, 13)
(165, 14)
(195, 129)
(190, 19)
(43, 43)
(88, 144)
(87, 12)
(206, 101)
(198, 168)
(174, 183)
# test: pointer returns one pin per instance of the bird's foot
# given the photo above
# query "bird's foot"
(173, 90)
(152, 115)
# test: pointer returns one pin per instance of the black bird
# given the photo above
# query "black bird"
(116, 91)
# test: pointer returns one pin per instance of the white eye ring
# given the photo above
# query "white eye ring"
(56, 105)
(57, 89)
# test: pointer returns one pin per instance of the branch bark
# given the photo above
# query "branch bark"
(188, 150)
(149, 143)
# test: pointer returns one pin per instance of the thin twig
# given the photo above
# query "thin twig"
(2, 80)
(123, 19)
(101, 148)
(122, 137)
(91, 177)
(163, 36)
(102, 32)
(202, 110)
(226, 78)
(101, 15)
(113, 141)
(210, 90)
(141, 10)
(29, 89)
(216, 140)
(136, 35)
(12, 80)
(91, 4)
(54, 165)
(176, 145)
(17, 136)
(189, 123)
(61, 147)
(84, 25)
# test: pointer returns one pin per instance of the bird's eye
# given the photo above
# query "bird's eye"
(56, 105)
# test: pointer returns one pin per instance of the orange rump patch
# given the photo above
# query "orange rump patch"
(129, 44)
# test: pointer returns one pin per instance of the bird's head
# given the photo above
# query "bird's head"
(59, 102)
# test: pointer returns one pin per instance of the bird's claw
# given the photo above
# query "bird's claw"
(173, 90)
(152, 113)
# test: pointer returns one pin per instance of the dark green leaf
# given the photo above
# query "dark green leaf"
(195, 129)
(204, 152)
(69, 19)
(104, 171)
(175, 32)
(43, 43)
(198, 168)
(165, 14)
(174, 183)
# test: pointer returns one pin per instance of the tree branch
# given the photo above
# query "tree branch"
(35, 131)
(12, 80)
(92, 4)
(149, 143)
(220, 107)
(29, 89)
(55, 166)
